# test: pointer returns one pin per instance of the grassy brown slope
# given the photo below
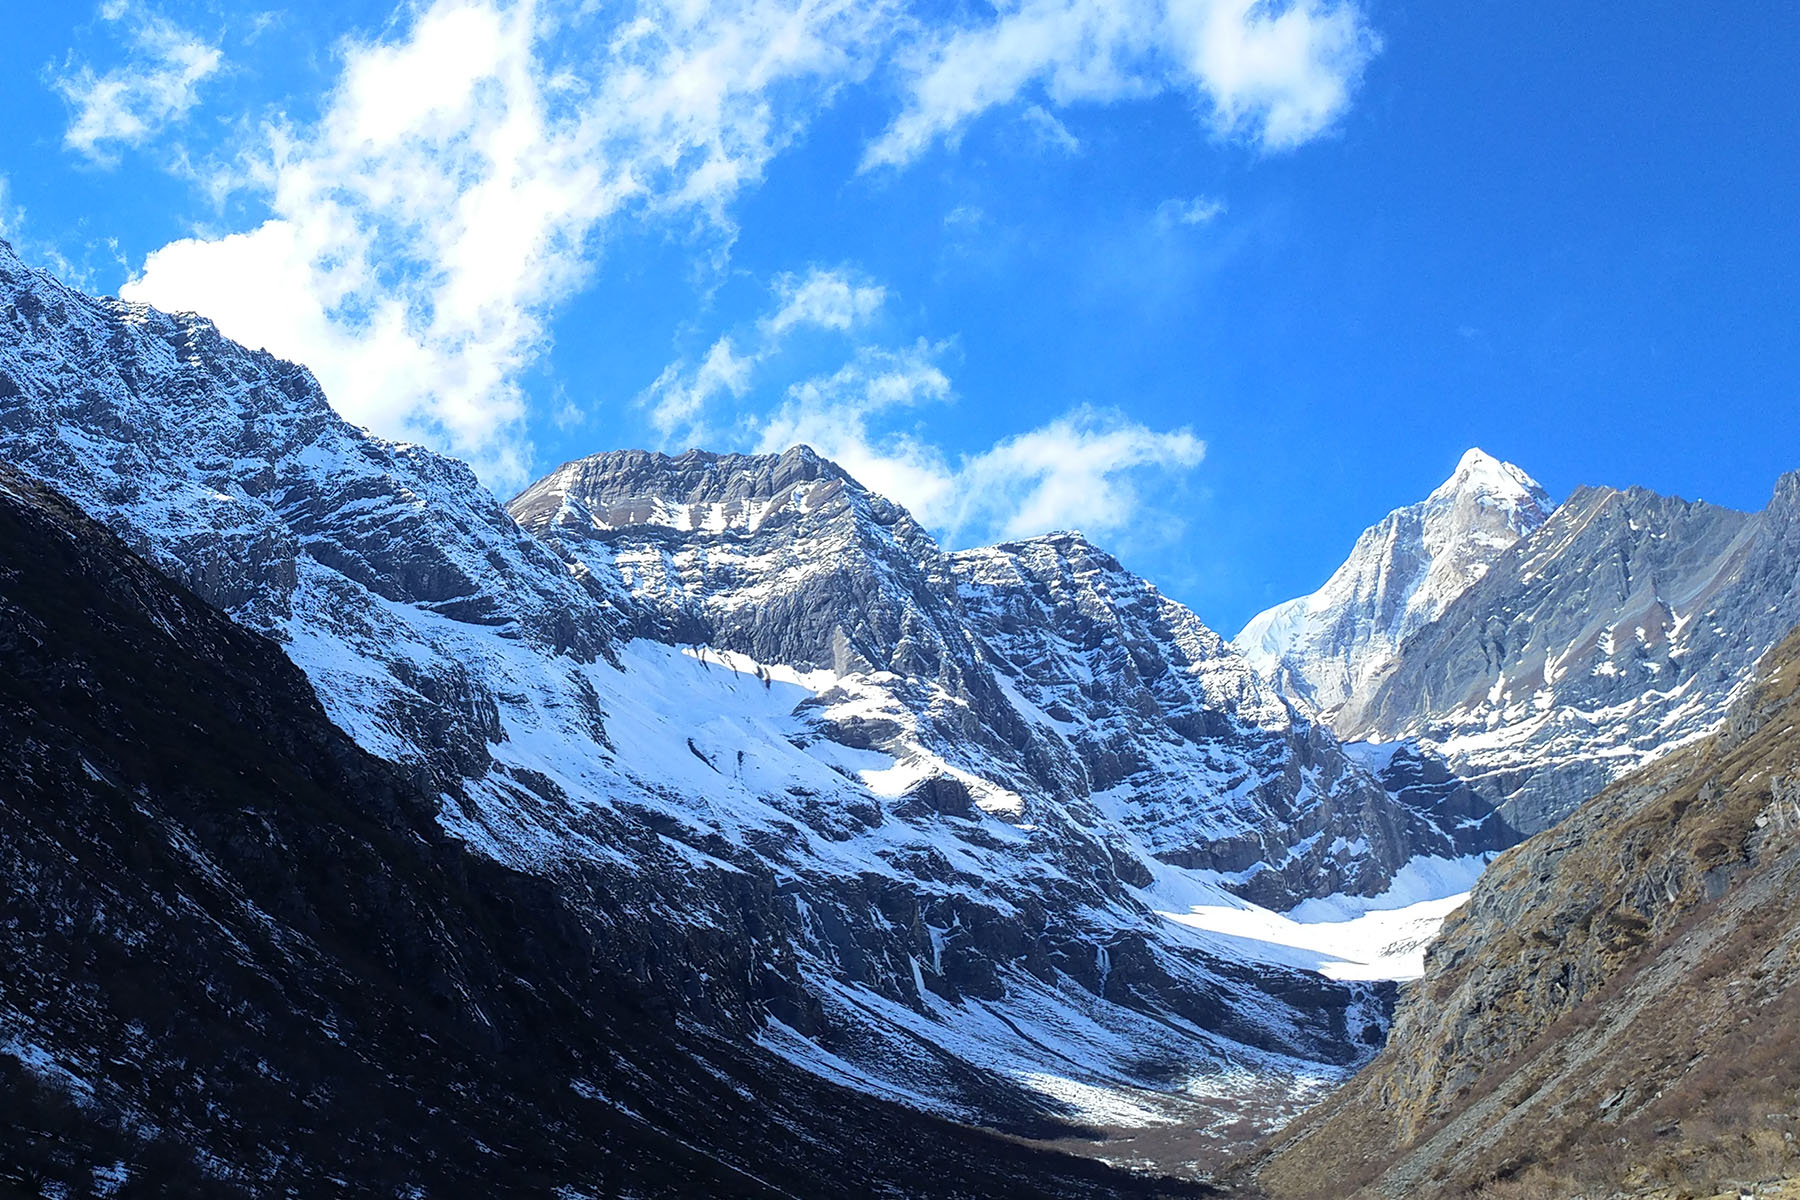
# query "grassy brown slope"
(1613, 1008)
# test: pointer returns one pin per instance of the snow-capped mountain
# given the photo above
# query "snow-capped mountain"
(1037, 680)
(1536, 654)
(828, 791)
(1623, 628)
(243, 958)
(1401, 575)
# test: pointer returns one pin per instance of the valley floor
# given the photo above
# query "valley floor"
(1198, 1127)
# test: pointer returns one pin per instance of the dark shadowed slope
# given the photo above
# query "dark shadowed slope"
(241, 957)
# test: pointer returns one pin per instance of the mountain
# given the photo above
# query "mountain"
(1533, 655)
(763, 743)
(1614, 1010)
(1044, 679)
(244, 959)
(1401, 575)
(1622, 628)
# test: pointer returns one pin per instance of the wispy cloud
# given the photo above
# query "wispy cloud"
(835, 299)
(15, 228)
(158, 84)
(1277, 73)
(1084, 468)
(1050, 132)
(11, 215)
(1196, 210)
(679, 398)
(828, 299)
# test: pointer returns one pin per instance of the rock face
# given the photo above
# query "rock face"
(243, 959)
(228, 469)
(1622, 628)
(1539, 655)
(1050, 683)
(1614, 1007)
(872, 852)
(1159, 711)
(1402, 574)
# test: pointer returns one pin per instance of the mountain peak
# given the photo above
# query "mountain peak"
(1401, 575)
(637, 485)
(1480, 472)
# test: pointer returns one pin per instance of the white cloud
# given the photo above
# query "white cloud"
(680, 396)
(1198, 210)
(1079, 471)
(158, 86)
(1082, 469)
(838, 300)
(464, 172)
(1277, 72)
(470, 163)
(1050, 132)
(827, 299)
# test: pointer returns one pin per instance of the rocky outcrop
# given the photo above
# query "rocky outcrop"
(1622, 628)
(1210, 766)
(1053, 686)
(1615, 1007)
(1401, 575)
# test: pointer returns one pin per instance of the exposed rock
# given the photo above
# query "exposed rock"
(1401, 575)
(1623, 628)
(1615, 1005)
(1042, 667)
(242, 958)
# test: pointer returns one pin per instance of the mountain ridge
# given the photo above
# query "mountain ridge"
(244, 959)
(1624, 627)
(689, 551)
(1612, 1012)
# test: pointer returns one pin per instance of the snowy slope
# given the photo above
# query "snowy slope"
(1402, 574)
(1036, 680)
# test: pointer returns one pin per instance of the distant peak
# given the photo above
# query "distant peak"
(1479, 471)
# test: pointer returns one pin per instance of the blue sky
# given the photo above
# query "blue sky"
(1218, 282)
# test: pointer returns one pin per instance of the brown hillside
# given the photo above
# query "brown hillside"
(1613, 1010)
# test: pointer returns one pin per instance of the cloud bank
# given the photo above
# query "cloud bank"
(470, 164)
